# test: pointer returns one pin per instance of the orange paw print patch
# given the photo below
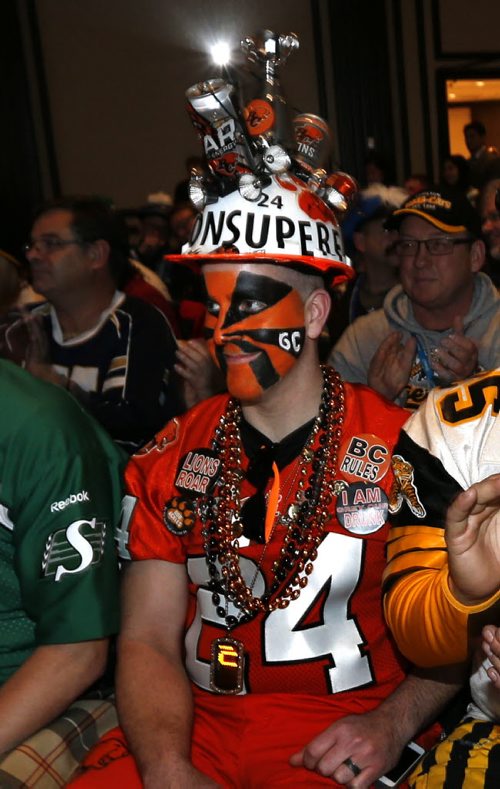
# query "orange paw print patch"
(179, 515)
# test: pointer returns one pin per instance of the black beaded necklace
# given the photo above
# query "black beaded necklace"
(222, 528)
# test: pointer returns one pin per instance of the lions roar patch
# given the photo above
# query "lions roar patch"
(197, 472)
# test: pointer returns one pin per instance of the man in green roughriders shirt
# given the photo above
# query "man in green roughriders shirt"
(60, 497)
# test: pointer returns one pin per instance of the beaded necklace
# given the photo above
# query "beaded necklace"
(310, 513)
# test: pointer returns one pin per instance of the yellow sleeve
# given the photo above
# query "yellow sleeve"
(429, 624)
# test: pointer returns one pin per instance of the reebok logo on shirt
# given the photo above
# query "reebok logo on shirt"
(73, 498)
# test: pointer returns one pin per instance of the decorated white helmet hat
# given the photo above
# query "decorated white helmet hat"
(263, 198)
(288, 224)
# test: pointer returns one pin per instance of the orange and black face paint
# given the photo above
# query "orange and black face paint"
(255, 329)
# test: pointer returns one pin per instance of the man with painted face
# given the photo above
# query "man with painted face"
(257, 332)
(253, 650)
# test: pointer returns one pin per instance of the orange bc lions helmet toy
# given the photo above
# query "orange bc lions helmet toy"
(259, 202)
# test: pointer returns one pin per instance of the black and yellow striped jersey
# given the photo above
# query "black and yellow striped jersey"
(450, 443)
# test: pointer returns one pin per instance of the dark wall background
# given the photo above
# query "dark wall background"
(92, 93)
(358, 31)
(117, 72)
(20, 185)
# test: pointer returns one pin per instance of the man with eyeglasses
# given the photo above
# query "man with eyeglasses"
(113, 352)
(442, 323)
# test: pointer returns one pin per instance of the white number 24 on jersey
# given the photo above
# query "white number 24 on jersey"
(284, 641)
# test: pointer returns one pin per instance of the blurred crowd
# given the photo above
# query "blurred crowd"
(102, 305)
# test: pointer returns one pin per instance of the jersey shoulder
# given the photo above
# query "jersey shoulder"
(459, 426)
(194, 428)
(367, 410)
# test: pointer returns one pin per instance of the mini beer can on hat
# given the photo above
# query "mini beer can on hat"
(214, 116)
(268, 113)
(313, 141)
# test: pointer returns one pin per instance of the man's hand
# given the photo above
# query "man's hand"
(201, 377)
(372, 741)
(457, 355)
(491, 649)
(473, 540)
(391, 365)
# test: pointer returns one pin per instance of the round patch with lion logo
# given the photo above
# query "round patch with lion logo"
(179, 515)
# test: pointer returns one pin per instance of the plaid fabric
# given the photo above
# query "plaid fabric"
(52, 756)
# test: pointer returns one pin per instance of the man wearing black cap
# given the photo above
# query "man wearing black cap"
(363, 230)
(376, 266)
(442, 323)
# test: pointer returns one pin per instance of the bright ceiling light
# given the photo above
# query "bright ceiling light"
(480, 84)
(452, 95)
(221, 53)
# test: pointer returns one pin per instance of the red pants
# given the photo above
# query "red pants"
(241, 743)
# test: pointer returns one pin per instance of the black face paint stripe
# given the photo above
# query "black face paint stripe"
(264, 371)
(262, 367)
(221, 359)
(254, 286)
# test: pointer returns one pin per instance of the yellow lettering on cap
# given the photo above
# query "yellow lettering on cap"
(434, 200)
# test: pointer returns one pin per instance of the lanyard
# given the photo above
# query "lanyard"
(426, 365)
